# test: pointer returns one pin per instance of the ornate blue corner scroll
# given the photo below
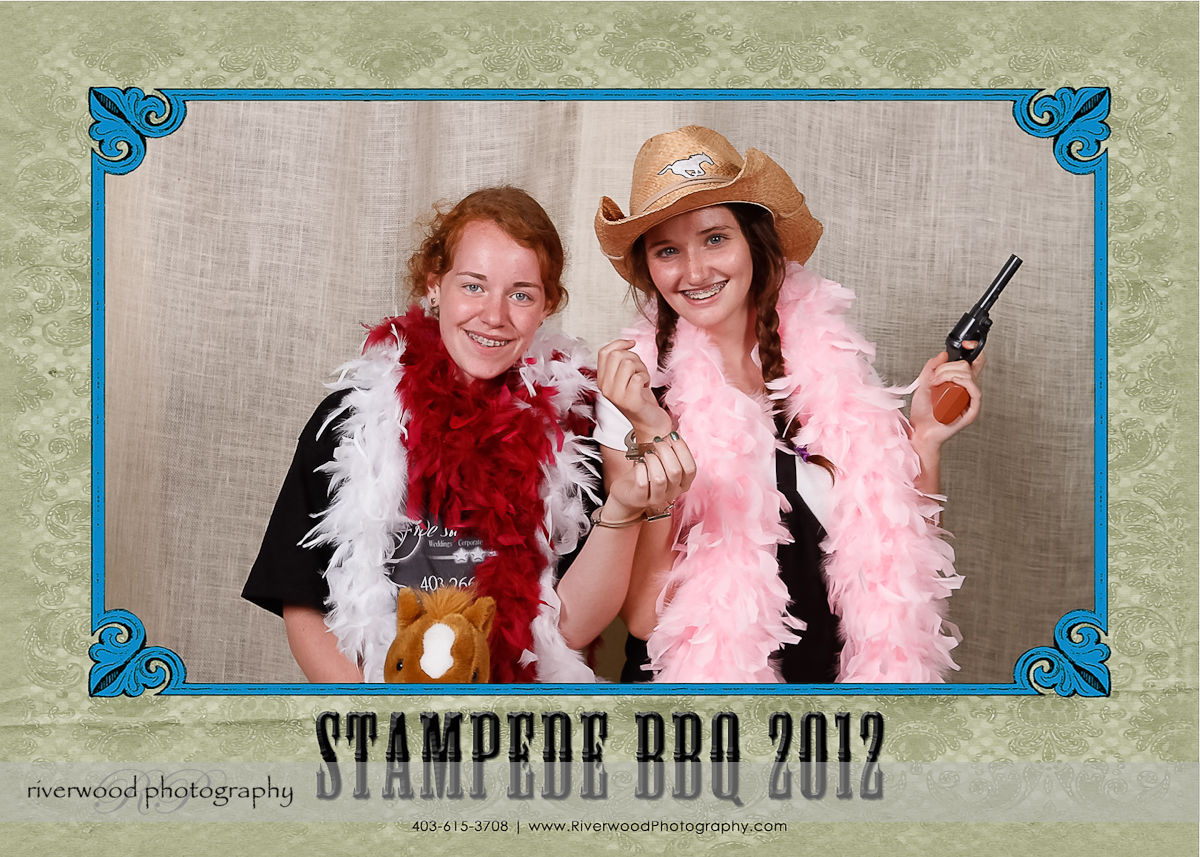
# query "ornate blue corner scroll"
(124, 118)
(1075, 664)
(123, 121)
(124, 664)
(1075, 118)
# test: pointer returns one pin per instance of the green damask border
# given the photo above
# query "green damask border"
(1146, 52)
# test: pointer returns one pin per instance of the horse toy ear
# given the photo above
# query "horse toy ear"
(408, 607)
(481, 614)
(441, 636)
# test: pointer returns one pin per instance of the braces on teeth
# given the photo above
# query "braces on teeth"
(705, 293)
(483, 340)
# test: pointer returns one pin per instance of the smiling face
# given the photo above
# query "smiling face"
(701, 263)
(490, 301)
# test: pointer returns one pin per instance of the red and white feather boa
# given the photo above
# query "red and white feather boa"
(503, 460)
(888, 570)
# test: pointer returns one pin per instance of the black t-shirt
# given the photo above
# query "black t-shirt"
(428, 555)
(284, 572)
(814, 659)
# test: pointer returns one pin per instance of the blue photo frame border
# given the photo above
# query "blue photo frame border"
(1075, 120)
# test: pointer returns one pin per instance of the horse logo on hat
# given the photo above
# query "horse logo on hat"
(690, 167)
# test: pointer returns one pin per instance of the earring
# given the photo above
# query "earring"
(434, 309)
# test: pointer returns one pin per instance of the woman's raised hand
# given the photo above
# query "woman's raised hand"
(652, 484)
(625, 381)
(927, 431)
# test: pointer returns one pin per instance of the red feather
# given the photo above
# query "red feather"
(475, 453)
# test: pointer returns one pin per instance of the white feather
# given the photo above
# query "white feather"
(368, 485)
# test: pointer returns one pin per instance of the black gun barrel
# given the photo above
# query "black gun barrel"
(997, 286)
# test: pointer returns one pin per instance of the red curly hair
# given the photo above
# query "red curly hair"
(514, 211)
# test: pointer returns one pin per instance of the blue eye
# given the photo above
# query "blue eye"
(665, 252)
(472, 287)
(715, 239)
(522, 297)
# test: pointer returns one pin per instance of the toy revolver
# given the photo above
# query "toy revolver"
(949, 399)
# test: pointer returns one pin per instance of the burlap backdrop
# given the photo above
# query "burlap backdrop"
(247, 249)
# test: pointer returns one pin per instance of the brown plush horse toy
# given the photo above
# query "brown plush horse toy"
(441, 636)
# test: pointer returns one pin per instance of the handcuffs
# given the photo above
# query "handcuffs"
(635, 452)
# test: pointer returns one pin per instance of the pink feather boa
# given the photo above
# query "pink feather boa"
(888, 570)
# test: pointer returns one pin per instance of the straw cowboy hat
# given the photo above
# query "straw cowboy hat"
(695, 167)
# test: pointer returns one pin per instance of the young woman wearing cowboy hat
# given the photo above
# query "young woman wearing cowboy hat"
(452, 454)
(807, 548)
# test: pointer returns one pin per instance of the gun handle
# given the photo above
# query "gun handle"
(949, 402)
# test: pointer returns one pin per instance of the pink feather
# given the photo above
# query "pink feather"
(888, 569)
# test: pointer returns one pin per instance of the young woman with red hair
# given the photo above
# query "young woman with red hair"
(454, 452)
